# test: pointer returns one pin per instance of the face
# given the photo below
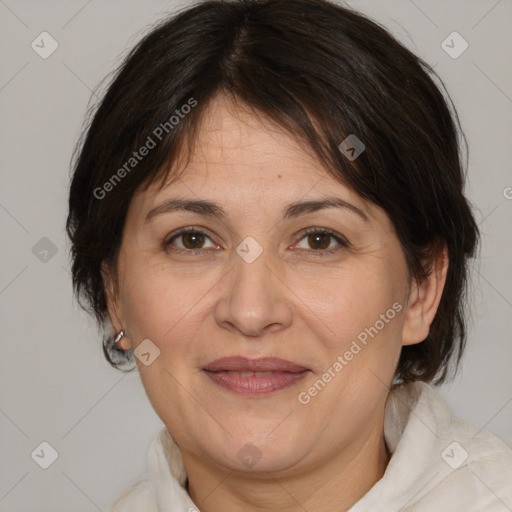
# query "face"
(323, 289)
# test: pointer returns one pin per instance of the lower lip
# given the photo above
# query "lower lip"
(255, 385)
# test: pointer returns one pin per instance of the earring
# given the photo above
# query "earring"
(116, 340)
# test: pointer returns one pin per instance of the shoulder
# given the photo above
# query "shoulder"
(140, 495)
(163, 485)
(482, 461)
(474, 467)
(137, 497)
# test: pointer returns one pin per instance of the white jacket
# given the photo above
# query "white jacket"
(438, 464)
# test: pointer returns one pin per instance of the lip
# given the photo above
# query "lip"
(261, 364)
(232, 373)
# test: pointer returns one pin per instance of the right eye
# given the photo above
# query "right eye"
(192, 240)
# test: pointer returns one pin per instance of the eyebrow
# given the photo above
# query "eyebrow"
(212, 209)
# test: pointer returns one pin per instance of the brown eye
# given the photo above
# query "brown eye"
(318, 241)
(191, 240)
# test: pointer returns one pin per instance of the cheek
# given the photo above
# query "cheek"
(360, 308)
(158, 298)
(348, 299)
(164, 308)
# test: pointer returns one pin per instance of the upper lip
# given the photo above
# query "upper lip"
(263, 364)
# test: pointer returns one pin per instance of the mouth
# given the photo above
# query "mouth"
(254, 377)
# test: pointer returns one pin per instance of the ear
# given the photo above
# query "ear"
(114, 311)
(424, 300)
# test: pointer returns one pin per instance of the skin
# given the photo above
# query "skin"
(288, 303)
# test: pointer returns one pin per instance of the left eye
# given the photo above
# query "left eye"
(320, 240)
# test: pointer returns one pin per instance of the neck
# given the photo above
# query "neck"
(336, 484)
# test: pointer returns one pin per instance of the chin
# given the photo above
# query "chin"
(258, 451)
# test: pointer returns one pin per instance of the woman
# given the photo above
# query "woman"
(268, 209)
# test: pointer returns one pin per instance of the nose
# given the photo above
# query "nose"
(254, 298)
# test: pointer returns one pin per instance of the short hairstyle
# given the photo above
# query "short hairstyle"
(319, 71)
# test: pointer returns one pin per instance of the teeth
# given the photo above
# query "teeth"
(250, 374)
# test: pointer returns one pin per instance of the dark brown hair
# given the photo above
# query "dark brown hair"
(320, 71)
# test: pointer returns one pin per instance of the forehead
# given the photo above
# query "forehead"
(239, 141)
(241, 157)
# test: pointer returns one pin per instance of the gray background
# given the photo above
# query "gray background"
(55, 385)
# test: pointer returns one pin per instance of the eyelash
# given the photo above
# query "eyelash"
(316, 252)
